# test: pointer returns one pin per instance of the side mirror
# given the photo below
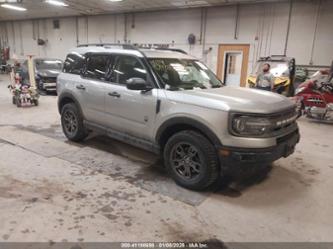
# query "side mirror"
(138, 84)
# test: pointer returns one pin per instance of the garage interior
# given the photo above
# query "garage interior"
(104, 190)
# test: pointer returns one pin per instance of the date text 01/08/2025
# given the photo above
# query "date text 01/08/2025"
(164, 245)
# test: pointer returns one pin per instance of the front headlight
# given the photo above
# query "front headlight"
(250, 126)
(299, 90)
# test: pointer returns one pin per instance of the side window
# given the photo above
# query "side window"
(96, 67)
(127, 67)
(74, 63)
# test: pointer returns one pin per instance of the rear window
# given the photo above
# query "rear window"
(74, 63)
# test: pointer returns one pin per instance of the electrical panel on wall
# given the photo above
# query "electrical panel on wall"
(56, 24)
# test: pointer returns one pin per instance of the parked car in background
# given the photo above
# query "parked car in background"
(283, 68)
(172, 104)
(46, 73)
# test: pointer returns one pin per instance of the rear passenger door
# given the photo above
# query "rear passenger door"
(91, 87)
(129, 111)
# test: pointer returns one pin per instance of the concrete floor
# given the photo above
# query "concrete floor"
(103, 190)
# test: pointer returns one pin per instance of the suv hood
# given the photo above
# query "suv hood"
(233, 98)
(48, 72)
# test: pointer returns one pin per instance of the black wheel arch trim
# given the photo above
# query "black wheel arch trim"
(188, 122)
(68, 95)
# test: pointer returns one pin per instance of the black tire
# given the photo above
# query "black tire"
(36, 102)
(72, 123)
(40, 86)
(205, 157)
(301, 110)
(18, 102)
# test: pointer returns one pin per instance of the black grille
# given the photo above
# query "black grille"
(49, 79)
(283, 120)
(286, 137)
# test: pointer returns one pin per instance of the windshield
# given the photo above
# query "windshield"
(182, 74)
(48, 64)
(278, 68)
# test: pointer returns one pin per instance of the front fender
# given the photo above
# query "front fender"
(65, 98)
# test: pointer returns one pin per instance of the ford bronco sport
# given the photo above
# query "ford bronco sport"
(170, 103)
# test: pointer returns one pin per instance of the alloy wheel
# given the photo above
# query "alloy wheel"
(186, 160)
(70, 122)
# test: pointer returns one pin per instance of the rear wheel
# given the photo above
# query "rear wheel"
(35, 102)
(191, 160)
(72, 123)
(18, 102)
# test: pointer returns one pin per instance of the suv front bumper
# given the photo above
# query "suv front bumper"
(240, 159)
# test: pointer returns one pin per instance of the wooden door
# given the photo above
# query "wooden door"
(232, 63)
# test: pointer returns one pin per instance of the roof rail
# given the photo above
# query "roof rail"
(173, 49)
(122, 45)
(130, 46)
(157, 47)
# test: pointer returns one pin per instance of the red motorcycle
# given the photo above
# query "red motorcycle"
(315, 96)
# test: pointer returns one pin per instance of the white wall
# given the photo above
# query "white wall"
(263, 26)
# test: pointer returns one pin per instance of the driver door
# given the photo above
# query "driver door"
(129, 111)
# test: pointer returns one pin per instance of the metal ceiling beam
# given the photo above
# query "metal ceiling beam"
(81, 7)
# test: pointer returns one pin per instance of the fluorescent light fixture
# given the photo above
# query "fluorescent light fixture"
(57, 3)
(184, 4)
(115, 0)
(13, 7)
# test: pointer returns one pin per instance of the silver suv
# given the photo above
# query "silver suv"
(170, 103)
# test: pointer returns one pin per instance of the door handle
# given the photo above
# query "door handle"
(81, 87)
(114, 94)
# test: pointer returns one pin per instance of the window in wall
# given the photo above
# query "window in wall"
(127, 67)
(232, 64)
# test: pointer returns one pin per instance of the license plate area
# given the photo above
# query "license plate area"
(289, 148)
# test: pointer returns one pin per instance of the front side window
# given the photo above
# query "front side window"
(127, 67)
(96, 67)
(182, 74)
(74, 63)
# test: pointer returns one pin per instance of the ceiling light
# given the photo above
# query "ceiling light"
(13, 7)
(190, 3)
(57, 3)
(115, 0)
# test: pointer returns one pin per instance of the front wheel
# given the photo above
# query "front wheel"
(72, 123)
(191, 160)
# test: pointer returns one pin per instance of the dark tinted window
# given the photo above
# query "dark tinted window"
(74, 63)
(127, 67)
(96, 66)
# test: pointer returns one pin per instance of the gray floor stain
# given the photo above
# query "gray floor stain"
(120, 161)
(5, 236)
(151, 177)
